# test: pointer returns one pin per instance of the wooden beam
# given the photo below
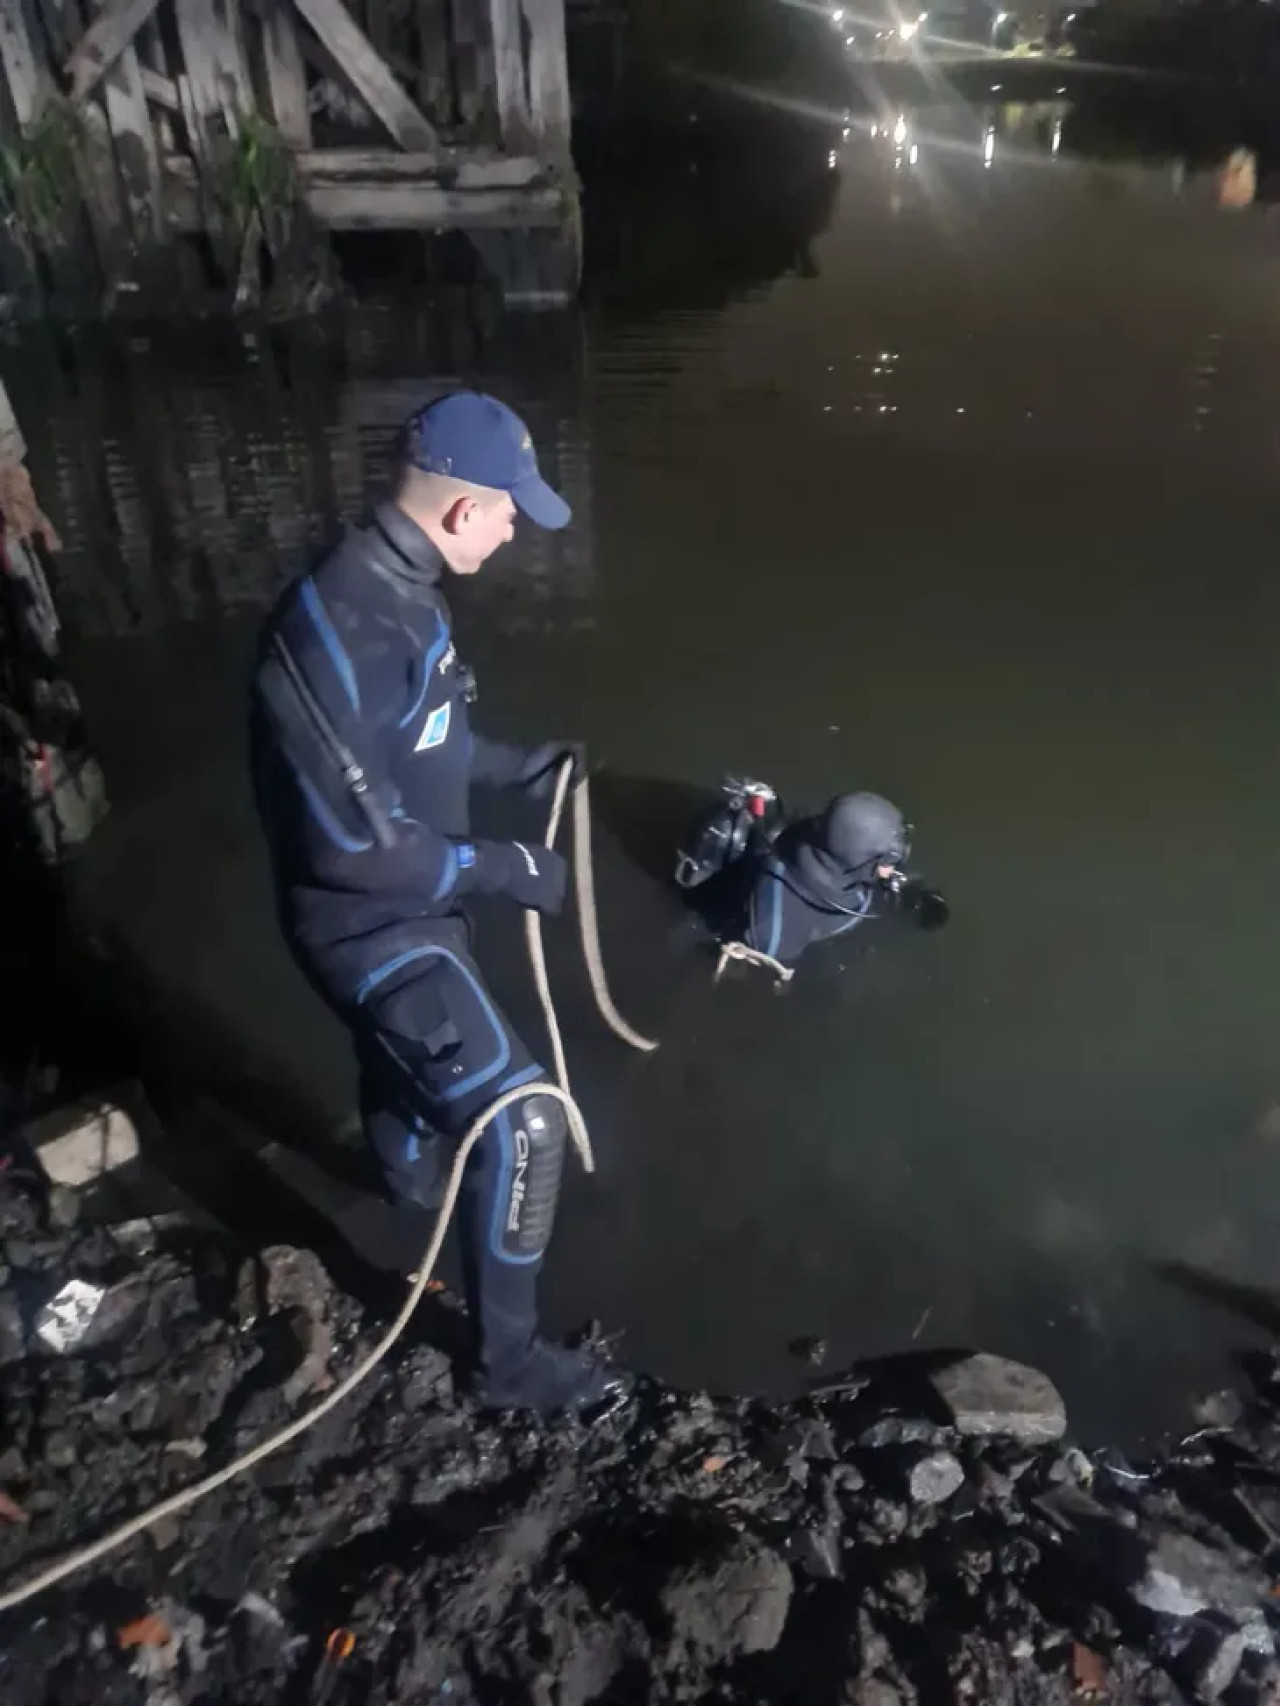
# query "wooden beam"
(160, 89)
(354, 52)
(286, 74)
(514, 123)
(137, 158)
(459, 170)
(399, 206)
(549, 103)
(435, 82)
(28, 80)
(104, 41)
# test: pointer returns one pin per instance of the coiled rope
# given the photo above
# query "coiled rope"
(83, 1556)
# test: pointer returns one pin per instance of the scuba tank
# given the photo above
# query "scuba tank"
(745, 819)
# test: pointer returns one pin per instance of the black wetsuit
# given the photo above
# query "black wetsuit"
(371, 897)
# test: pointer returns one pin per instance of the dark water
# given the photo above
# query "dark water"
(950, 474)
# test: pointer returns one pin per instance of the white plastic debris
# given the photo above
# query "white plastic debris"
(66, 1318)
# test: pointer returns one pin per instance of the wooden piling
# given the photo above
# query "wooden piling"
(469, 100)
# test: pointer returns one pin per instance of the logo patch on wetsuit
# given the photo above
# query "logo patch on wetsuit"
(436, 727)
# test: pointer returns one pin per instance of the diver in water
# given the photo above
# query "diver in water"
(775, 886)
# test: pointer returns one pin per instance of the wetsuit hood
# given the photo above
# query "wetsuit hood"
(829, 856)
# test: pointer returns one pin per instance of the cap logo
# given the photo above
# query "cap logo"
(526, 443)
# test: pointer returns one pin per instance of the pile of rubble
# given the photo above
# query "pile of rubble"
(912, 1533)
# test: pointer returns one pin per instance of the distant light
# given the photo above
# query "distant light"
(1057, 136)
(906, 31)
(875, 130)
(845, 132)
(914, 155)
(1061, 91)
(832, 159)
(989, 145)
(900, 130)
(848, 41)
(837, 17)
(1001, 18)
(996, 88)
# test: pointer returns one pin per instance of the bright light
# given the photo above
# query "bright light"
(914, 155)
(906, 31)
(875, 130)
(1001, 18)
(989, 145)
(845, 133)
(900, 130)
(837, 17)
(1057, 136)
(832, 159)
(848, 41)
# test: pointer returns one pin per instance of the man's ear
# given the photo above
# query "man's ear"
(457, 513)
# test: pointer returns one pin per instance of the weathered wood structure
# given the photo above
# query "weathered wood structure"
(259, 125)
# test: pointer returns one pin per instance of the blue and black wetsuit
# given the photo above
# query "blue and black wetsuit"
(364, 758)
(818, 878)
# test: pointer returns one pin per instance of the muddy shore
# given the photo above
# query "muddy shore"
(921, 1531)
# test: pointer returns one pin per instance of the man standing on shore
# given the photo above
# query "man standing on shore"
(364, 759)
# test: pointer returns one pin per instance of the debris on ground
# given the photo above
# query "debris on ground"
(883, 1541)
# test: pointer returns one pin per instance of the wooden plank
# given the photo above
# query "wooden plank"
(28, 79)
(286, 74)
(212, 101)
(549, 101)
(104, 41)
(461, 169)
(399, 207)
(514, 124)
(137, 157)
(162, 90)
(352, 49)
(435, 82)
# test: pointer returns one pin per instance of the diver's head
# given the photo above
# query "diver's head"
(467, 466)
(866, 835)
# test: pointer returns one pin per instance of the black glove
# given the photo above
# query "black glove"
(534, 876)
(541, 769)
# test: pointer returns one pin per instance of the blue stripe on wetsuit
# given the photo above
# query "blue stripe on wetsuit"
(314, 607)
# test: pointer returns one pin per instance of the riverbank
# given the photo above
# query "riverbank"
(917, 1531)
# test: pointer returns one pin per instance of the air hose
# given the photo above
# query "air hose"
(584, 878)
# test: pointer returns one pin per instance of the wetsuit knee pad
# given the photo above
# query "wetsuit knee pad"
(533, 1133)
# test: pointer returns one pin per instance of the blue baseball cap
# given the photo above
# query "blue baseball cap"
(478, 439)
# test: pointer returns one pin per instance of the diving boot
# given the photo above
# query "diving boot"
(552, 1378)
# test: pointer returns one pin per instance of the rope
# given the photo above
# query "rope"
(752, 957)
(588, 926)
(80, 1559)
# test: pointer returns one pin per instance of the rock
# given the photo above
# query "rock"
(13, 1338)
(1219, 1410)
(1184, 1577)
(889, 1519)
(846, 1478)
(908, 1587)
(296, 1282)
(875, 1691)
(935, 1479)
(901, 1430)
(164, 1533)
(1219, 1671)
(732, 1604)
(816, 1551)
(13, 1465)
(812, 1439)
(989, 1397)
(77, 1145)
(63, 1208)
(810, 1350)
(60, 1451)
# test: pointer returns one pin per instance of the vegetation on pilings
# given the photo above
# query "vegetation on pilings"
(39, 189)
(256, 179)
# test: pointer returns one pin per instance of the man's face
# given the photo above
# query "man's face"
(476, 527)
